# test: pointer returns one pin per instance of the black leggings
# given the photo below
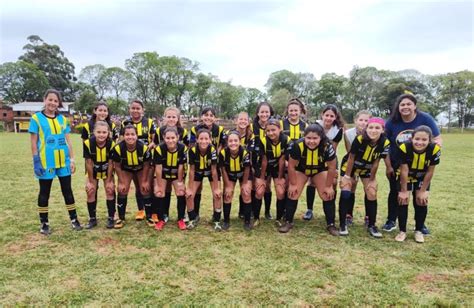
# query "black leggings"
(420, 215)
(45, 191)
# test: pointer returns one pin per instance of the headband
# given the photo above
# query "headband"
(376, 120)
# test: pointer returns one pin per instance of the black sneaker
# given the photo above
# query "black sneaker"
(241, 216)
(110, 223)
(332, 230)
(76, 225)
(165, 218)
(374, 232)
(389, 226)
(92, 223)
(268, 216)
(225, 226)
(45, 229)
(425, 230)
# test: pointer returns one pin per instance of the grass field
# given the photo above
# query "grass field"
(137, 265)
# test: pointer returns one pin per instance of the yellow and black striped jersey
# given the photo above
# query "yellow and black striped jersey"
(365, 153)
(170, 161)
(183, 135)
(145, 129)
(311, 161)
(418, 163)
(202, 162)
(234, 165)
(131, 160)
(88, 130)
(294, 131)
(100, 156)
(218, 134)
(273, 151)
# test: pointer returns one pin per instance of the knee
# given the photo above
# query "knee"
(159, 194)
(280, 192)
(123, 189)
(371, 194)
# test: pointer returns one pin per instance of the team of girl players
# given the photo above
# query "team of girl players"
(290, 152)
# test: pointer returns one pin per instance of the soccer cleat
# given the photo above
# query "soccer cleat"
(92, 223)
(268, 216)
(154, 217)
(217, 226)
(181, 224)
(285, 228)
(308, 215)
(119, 224)
(45, 229)
(160, 225)
(76, 225)
(401, 236)
(374, 232)
(389, 226)
(256, 223)
(247, 226)
(419, 238)
(140, 215)
(279, 223)
(165, 218)
(150, 222)
(191, 224)
(110, 223)
(349, 220)
(332, 230)
(343, 231)
(225, 226)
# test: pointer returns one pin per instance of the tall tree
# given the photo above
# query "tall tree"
(22, 81)
(51, 60)
(94, 76)
(117, 81)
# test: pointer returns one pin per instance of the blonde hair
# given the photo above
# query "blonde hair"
(366, 112)
(101, 123)
(178, 112)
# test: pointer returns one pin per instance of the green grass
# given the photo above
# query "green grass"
(137, 265)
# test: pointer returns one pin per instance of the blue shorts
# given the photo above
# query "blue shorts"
(52, 172)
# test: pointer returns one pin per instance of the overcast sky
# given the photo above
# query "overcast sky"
(245, 41)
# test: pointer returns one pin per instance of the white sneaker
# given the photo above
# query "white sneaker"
(419, 238)
(344, 231)
(401, 236)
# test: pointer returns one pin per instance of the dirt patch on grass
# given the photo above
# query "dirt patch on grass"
(436, 282)
(29, 242)
(106, 245)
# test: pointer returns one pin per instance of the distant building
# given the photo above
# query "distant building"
(22, 113)
(6, 117)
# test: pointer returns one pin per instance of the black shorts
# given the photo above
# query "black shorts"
(412, 186)
(312, 172)
(200, 175)
(234, 177)
(272, 172)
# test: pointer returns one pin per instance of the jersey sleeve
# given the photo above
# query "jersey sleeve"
(402, 154)
(223, 137)
(192, 135)
(146, 154)
(152, 127)
(246, 159)
(221, 158)
(157, 156)
(34, 125)
(338, 136)
(115, 154)
(329, 153)
(185, 137)
(214, 158)
(182, 159)
(191, 156)
(85, 132)
(386, 147)
(356, 144)
(294, 151)
(435, 156)
(86, 150)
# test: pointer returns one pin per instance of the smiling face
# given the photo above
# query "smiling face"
(101, 113)
(51, 103)
(294, 112)
(407, 108)
(264, 113)
(374, 131)
(233, 142)
(130, 136)
(203, 140)
(242, 121)
(136, 111)
(312, 140)
(361, 122)
(328, 118)
(208, 118)
(272, 131)
(171, 118)
(420, 141)
(171, 140)
(101, 132)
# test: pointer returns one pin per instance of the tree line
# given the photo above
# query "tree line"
(160, 81)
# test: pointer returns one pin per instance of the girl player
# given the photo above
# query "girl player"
(313, 158)
(293, 126)
(418, 159)
(363, 161)
(360, 121)
(274, 147)
(101, 113)
(99, 165)
(145, 131)
(234, 161)
(333, 124)
(52, 156)
(203, 163)
(170, 161)
(263, 113)
(171, 118)
(218, 139)
(132, 162)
